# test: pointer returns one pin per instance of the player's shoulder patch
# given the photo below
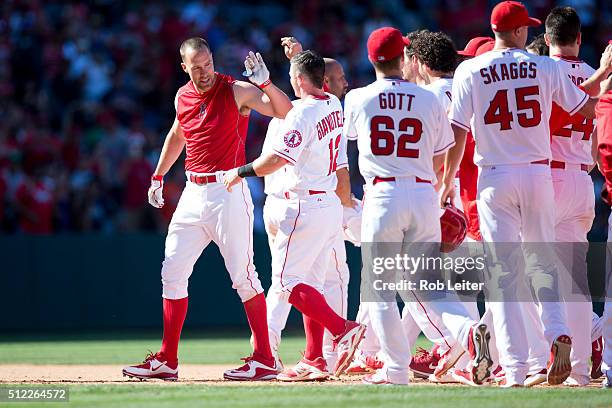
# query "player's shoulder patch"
(293, 138)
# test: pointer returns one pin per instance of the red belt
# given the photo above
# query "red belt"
(561, 165)
(543, 161)
(381, 179)
(310, 192)
(201, 180)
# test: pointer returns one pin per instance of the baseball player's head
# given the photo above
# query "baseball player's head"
(563, 28)
(198, 63)
(410, 70)
(334, 81)
(386, 51)
(538, 46)
(510, 22)
(307, 72)
(436, 55)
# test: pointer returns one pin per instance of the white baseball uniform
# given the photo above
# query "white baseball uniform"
(309, 213)
(399, 128)
(575, 211)
(335, 287)
(505, 97)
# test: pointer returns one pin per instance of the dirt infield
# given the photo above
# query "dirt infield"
(189, 374)
(111, 374)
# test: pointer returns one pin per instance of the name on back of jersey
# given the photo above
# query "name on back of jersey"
(507, 72)
(330, 123)
(395, 100)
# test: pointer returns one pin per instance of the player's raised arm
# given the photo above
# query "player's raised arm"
(265, 97)
(591, 85)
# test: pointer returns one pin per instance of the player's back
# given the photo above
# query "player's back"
(311, 140)
(398, 126)
(442, 89)
(505, 97)
(572, 143)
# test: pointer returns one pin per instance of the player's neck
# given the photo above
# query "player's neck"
(564, 51)
(313, 92)
(397, 74)
(433, 76)
(502, 44)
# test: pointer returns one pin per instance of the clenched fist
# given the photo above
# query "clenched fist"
(155, 192)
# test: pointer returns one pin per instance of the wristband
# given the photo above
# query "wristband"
(246, 171)
(157, 177)
(265, 83)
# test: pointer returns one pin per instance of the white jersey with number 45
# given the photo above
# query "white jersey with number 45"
(399, 128)
(310, 139)
(572, 143)
(505, 97)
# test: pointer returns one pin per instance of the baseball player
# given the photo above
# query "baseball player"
(212, 112)
(308, 148)
(504, 96)
(604, 123)
(572, 159)
(335, 287)
(402, 134)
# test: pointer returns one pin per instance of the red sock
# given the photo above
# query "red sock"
(255, 309)
(175, 311)
(314, 338)
(312, 304)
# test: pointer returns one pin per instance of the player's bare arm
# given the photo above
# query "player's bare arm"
(591, 85)
(265, 98)
(265, 164)
(173, 146)
(451, 165)
(343, 189)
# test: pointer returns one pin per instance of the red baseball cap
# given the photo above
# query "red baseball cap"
(509, 15)
(486, 47)
(472, 46)
(386, 43)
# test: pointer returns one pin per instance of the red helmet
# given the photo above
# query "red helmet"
(453, 223)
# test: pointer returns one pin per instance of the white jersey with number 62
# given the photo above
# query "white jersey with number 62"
(505, 97)
(399, 128)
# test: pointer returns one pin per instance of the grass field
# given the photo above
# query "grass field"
(202, 348)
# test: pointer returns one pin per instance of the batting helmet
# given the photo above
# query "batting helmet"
(453, 223)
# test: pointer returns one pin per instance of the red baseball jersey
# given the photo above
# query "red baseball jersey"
(214, 129)
(468, 177)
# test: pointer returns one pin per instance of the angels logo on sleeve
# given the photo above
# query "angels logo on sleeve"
(293, 138)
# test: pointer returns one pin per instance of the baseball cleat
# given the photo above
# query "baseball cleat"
(153, 366)
(498, 374)
(445, 379)
(306, 370)
(596, 357)
(577, 382)
(463, 377)
(478, 347)
(448, 361)
(364, 365)
(252, 370)
(424, 362)
(535, 378)
(346, 345)
(559, 365)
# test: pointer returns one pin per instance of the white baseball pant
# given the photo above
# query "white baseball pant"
(514, 202)
(208, 213)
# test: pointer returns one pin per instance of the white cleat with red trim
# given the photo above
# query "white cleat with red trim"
(153, 366)
(306, 370)
(253, 370)
(346, 345)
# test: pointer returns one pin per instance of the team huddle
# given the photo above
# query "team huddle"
(493, 141)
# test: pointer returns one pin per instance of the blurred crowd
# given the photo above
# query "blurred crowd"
(87, 89)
